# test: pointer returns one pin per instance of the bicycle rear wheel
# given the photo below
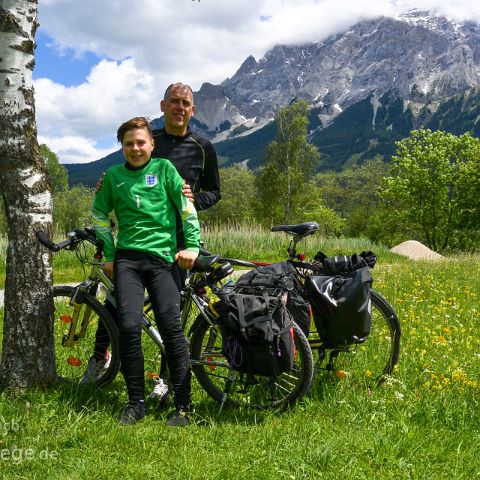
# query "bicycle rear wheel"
(72, 354)
(224, 384)
(372, 361)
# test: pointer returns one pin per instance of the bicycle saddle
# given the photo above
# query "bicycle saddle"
(302, 229)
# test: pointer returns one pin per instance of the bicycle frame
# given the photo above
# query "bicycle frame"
(194, 294)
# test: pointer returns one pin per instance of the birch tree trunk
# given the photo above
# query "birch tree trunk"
(27, 350)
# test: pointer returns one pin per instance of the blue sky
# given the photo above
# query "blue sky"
(64, 67)
(100, 63)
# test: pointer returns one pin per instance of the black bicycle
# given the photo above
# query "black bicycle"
(80, 309)
(369, 362)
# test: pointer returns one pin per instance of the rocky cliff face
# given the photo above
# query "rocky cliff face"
(425, 59)
(368, 86)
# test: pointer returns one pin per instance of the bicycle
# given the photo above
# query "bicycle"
(79, 309)
(370, 362)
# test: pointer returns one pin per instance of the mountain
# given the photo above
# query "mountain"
(367, 87)
(426, 59)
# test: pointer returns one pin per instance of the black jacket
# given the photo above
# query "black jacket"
(195, 159)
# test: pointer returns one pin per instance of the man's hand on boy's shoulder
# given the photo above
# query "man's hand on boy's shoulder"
(187, 191)
(99, 184)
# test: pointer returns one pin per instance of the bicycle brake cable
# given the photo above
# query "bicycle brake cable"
(81, 254)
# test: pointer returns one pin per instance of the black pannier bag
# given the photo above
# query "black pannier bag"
(257, 329)
(300, 310)
(341, 300)
(257, 333)
(280, 275)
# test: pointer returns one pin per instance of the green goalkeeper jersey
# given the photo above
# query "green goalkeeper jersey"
(145, 203)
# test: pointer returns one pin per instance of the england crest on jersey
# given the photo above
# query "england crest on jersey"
(151, 180)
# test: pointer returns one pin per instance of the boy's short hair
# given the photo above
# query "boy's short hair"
(132, 124)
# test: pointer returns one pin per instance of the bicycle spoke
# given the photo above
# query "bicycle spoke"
(370, 362)
(241, 388)
(74, 343)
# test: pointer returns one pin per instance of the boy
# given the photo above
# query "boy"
(145, 194)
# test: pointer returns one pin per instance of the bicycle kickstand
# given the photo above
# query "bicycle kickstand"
(333, 355)
(226, 390)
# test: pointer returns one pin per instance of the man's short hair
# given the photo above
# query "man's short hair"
(132, 124)
(177, 84)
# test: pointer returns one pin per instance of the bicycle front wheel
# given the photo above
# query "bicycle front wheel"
(82, 328)
(226, 385)
(372, 361)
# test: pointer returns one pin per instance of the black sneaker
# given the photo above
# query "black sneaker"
(178, 418)
(133, 412)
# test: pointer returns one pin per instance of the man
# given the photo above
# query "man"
(196, 161)
(194, 157)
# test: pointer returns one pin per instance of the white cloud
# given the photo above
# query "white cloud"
(76, 149)
(152, 43)
(112, 92)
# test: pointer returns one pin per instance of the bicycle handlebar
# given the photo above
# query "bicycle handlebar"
(74, 238)
(54, 247)
(203, 263)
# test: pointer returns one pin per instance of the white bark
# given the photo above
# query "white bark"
(27, 350)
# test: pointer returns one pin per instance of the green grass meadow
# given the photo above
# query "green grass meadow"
(423, 423)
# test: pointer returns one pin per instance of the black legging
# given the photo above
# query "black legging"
(135, 271)
(102, 340)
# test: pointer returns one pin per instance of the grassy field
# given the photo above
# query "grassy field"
(423, 423)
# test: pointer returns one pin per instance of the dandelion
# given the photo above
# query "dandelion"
(458, 375)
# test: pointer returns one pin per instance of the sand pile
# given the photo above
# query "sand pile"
(416, 251)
